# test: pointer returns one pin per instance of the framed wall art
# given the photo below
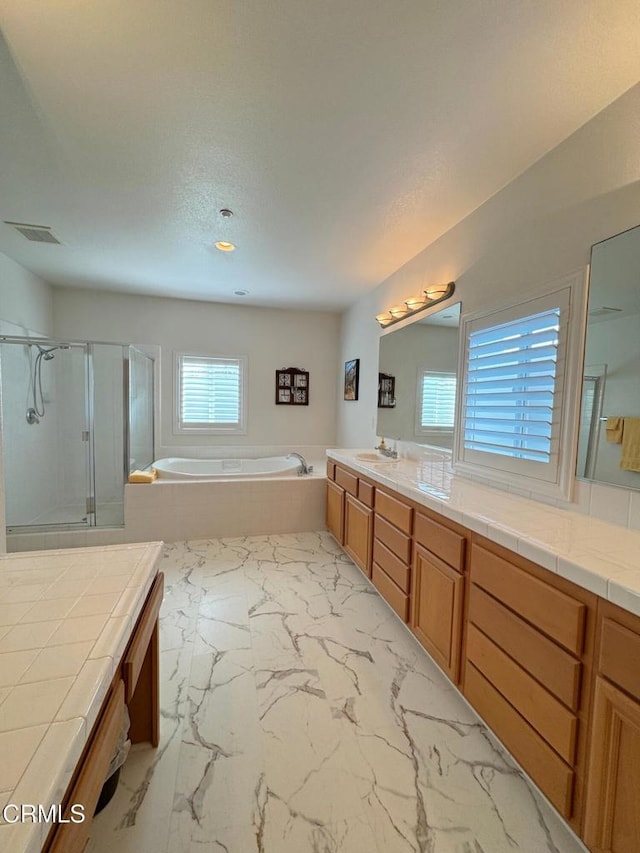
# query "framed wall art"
(351, 379)
(292, 387)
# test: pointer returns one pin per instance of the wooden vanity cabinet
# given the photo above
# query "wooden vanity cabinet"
(612, 815)
(438, 592)
(527, 668)
(350, 500)
(391, 568)
(335, 510)
(358, 530)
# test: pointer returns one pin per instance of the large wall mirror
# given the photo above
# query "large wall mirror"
(417, 379)
(610, 412)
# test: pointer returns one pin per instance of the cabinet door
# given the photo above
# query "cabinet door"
(612, 822)
(436, 613)
(335, 511)
(358, 533)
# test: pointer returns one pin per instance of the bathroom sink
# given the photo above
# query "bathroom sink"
(374, 457)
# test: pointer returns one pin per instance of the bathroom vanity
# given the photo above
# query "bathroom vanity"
(78, 643)
(533, 612)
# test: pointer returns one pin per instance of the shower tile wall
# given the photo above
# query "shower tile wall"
(32, 488)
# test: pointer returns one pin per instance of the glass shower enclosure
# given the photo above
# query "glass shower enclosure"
(77, 417)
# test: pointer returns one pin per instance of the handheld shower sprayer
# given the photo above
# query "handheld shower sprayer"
(35, 412)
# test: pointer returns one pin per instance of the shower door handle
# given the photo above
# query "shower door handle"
(85, 435)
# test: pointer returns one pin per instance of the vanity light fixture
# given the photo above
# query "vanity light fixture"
(398, 311)
(431, 296)
(224, 246)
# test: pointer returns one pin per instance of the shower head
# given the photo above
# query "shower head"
(47, 354)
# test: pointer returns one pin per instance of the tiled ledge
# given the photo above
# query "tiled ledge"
(65, 620)
(599, 556)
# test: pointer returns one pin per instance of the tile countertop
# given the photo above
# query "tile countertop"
(594, 554)
(65, 619)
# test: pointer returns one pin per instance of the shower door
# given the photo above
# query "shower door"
(47, 434)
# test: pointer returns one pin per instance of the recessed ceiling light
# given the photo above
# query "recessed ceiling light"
(241, 292)
(226, 213)
(224, 246)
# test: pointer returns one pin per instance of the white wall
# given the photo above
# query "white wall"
(538, 228)
(26, 307)
(270, 338)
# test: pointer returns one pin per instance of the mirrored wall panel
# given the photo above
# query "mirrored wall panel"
(417, 379)
(609, 442)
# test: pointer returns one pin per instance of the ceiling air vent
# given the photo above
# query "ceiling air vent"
(35, 233)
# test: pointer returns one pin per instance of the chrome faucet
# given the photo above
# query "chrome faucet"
(304, 468)
(386, 450)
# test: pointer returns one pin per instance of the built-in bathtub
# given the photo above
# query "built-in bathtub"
(177, 468)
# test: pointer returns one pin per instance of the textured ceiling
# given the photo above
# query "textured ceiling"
(345, 135)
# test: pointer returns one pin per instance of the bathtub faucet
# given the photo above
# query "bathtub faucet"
(304, 468)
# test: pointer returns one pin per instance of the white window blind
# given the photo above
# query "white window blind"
(511, 384)
(436, 400)
(210, 393)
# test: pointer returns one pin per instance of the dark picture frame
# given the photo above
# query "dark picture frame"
(351, 379)
(292, 387)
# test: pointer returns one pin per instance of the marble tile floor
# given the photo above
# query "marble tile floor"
(299, 714)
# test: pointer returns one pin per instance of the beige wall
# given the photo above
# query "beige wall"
(270, 338)
(538, 228)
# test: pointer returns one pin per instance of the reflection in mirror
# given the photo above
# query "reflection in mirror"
(610, 411)
(417, 379)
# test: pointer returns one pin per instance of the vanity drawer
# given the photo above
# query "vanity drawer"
(558, 615)
(393, 538)
(619, 654)
(548, 663)
(444, 543)
(398, 513)
(72, 837)
(365, 493)
(349, 482)
(546, 768)
(136, 651)
(549, 717)
(394, 567)
(331, 470)
(391, 593)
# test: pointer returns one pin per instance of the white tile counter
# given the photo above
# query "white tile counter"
(596, 555)
(65, 619)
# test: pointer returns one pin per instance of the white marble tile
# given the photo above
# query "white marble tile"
(223, 623)
(331, 731)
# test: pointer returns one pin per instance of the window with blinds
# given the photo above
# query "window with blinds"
(210, 393)
(514, 399)
(436, 401)
(510, 389)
